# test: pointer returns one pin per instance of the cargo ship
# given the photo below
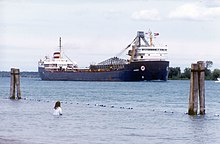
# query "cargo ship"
(146, 62)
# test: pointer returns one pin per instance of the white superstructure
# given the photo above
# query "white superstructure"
(58, 62)
(146, 51)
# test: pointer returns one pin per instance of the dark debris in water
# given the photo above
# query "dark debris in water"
(105, 106)
(65, 102)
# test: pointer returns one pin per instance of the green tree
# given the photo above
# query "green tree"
(186, 74)
(208, 73)
(215, 74)
(174, 73)
(208, 64)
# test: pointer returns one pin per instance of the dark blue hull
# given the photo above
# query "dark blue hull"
(135, 71)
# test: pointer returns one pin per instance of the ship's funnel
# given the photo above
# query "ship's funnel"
(56, 55)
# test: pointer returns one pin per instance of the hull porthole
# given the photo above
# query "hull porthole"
(142, 68)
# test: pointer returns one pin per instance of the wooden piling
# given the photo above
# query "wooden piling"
(201, 66)
(193, 99)
(197, 89)
(12, 85)
(15, 83)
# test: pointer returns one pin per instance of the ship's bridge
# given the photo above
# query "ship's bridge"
(142, 50)
(144, 53)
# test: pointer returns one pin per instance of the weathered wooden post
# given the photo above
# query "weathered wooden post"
(12, 85)
(193, 99)
(201, 66)
(197, 89)
(15, 83)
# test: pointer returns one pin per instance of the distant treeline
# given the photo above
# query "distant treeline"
(175, 73)
(23, 74)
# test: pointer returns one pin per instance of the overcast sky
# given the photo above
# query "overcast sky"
(95, 30)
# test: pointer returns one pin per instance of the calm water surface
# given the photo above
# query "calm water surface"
(107, 112)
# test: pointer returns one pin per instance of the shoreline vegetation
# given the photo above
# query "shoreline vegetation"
(176, 74)
(22, 74)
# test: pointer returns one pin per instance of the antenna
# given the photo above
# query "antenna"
(60, 48)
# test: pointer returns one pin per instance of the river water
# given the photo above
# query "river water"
(107, 112)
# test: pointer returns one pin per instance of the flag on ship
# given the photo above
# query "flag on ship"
(156, 34)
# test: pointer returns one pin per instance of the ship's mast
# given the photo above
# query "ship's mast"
(151, 39)
(60, 48)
